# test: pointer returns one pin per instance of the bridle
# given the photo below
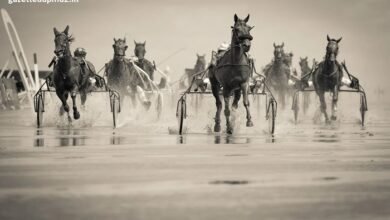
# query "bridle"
(64, 46)
(119, 55)
(239, 45)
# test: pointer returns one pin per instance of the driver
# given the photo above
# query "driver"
(86, 67)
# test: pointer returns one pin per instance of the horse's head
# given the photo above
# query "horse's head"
(303, 63)
(278, 52)
(241, 33)
(62, 41)
(332, 49)
(140, 50)
(200, 61)
(120, 48)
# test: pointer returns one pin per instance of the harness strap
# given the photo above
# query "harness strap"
(231, 64)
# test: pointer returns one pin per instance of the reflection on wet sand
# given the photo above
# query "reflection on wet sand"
(65, 137)
(39, 141)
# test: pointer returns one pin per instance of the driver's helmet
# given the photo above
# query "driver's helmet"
(80, 52)
(223, 47)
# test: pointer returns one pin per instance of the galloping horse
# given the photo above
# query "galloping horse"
(232, 72)
(200, 66)
(305, 72)
(327, 77)
(119, 70)
(143, 63)
(68, 75)
(304, 65)
(278, 73)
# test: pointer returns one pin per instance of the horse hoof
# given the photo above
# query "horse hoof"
(333, 118)
(66, 108)
(217, 128)
(229, 131)
(76, 115)
(249, 124)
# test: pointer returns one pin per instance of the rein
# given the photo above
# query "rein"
(331, 74)
(239, 46)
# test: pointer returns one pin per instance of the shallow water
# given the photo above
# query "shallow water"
(144, 170)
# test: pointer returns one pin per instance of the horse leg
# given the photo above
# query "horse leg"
(215, 88)
(63, 97)
(245, 99)
(321, 95)
(142, 97)
(334, 103)
(237, 96)
(76, 114)
(226, 97)
(283, 98)
(83, 97)
(280, 97)
(131, 92)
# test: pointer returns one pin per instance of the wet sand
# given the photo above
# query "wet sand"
(305, 171)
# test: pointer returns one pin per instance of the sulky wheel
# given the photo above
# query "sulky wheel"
(159, 105)
(363, 108)
(271, 116)
(306, 102)
(115, 109)
(181, 114)
(39, 110)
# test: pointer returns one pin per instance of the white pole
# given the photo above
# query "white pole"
(30, 79)
(36, 72)
(24, 80)
(9, 74)
(9, 24)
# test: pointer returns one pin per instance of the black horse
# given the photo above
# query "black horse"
(327, 77)
(68, 75)
(232, 72)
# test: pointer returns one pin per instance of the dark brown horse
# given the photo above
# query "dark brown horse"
(200, 66)
(327, 77)
(143, 63)
(278, 73)
(232, 73)
(305, 72)
(148, 67)
(68, 76)
(119, 70)
(304, 66)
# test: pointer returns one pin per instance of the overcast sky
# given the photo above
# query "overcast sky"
(198, 26)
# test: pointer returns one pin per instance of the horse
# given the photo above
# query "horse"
(119, 70)
(140, 82)
(304, 66)
(305, 72)
(278, 73)
(143, 63)
(327, 77)
(232, 72)
(200, 66)
(68, 75)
